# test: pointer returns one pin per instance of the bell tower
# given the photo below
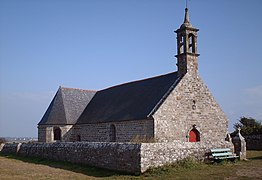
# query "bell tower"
(187, 56)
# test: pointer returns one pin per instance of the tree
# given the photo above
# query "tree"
(249, 126)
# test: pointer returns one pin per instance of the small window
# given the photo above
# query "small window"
(57, 134)
(112, 133)
(78, 138)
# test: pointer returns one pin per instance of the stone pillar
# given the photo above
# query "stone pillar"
(240, 145)
(1, 146)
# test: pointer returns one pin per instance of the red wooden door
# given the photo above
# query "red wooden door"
(193, 136)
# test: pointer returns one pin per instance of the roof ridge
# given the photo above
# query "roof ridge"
(139, 80)
(78, 89)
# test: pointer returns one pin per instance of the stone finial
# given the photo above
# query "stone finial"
(186, 20)
(239, 129)
(240, 145)
(239, 134)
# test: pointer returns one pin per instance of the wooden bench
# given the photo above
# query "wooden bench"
(223, 153)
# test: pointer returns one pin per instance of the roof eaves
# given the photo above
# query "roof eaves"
(112, 121)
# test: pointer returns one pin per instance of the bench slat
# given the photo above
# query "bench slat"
(222, 154)
(227, 157)
(220, 150)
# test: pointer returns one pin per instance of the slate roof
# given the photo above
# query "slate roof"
(66, 106)
(131, 101)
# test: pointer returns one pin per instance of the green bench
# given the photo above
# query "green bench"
(223, 153)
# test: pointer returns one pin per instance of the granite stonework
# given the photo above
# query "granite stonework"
(46, 133)
(159, 154)
(125, 131)
(190, 105)
(114, 156)
(10, 148)
(127, 157)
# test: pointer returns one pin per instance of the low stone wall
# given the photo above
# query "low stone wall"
(158, 154)
(254, 142)
(10, 148)
(114, 156)
(128, 157)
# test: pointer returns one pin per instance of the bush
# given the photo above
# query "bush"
(180, 165)
(188, 163)
(249, 126)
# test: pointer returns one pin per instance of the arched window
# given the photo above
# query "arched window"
(78, 138)
(112, 133)
(194, 135)
(57, 134)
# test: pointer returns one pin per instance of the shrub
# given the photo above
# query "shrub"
(188, 163)
(249, 126)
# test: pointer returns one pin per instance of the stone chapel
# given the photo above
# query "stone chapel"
(172, 107)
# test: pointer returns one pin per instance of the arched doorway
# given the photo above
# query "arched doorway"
(112, 133)
(57, 134)
(194, 135)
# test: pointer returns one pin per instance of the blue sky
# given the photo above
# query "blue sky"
(94, 44)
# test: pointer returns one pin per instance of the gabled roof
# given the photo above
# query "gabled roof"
(131, 101)
(66, 106)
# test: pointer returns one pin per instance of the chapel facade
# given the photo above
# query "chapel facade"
(172, 107)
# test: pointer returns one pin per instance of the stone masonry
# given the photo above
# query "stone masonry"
(125, 131)
(127, 157)
(46, 133)
(188, 106)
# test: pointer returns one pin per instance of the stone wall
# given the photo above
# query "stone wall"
(124, 131)
(254, 142)
(158, 154)
(128, 157)
(10, 148)
(189, 104)
(114, 156)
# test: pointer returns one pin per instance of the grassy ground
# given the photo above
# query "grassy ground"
(13, 167)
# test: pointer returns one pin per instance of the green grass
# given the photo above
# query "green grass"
(251, 169)
(77, 168)
(35, 168)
